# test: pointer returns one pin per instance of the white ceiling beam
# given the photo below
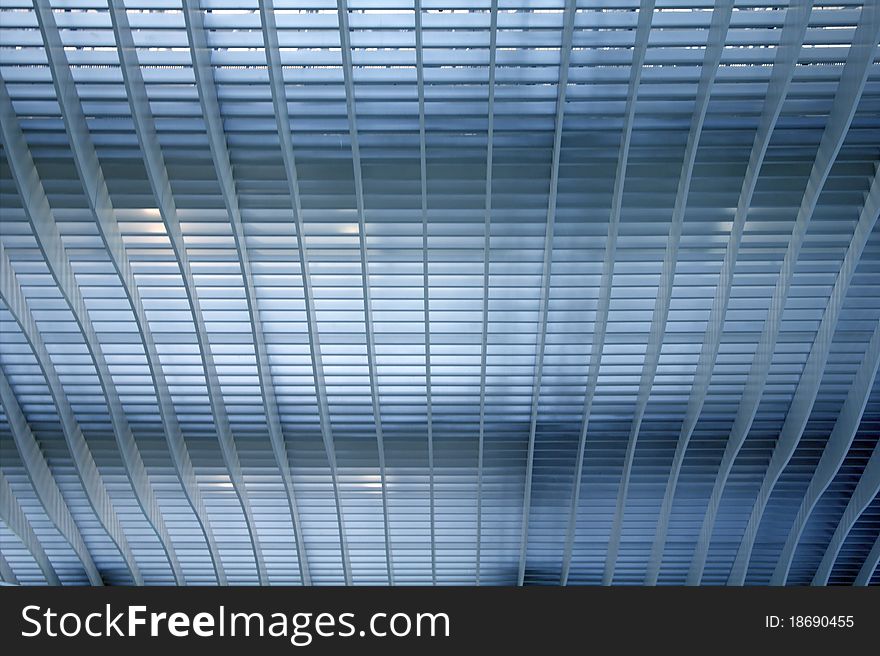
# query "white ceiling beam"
(863, 495)
(92, 178)
(423, 169)
(83, 461)
(282, 118)
(348, 72)
(866, 572)
(714, 48)
(640, 47)
(808, 385)
(7, 576)
(852, 81)
(59, 265)
(158, 176)
(180, 457)
(43, 481)
(833, 455)
(17, 521)
(487, 226)
(797, 17)
(210, 104)
(561, 86)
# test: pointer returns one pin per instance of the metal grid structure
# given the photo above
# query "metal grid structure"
(423, 292)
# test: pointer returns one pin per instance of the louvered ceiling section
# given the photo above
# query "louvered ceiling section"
(424, 292)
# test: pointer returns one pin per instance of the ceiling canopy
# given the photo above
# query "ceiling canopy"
(402, 291)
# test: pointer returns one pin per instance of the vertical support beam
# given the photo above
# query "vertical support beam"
(210, 104)
(866, 491)
(836, 448)
(43, 481)
(643, 30)
(282, 118)
(568, 19)
(83, 462)
(484, 339)
(13, 515)
(808, 386)
(423, 168)
(794, 28)
(714, 47)
(852, 82)
(868, 568)
(40, 216)
(345, 45)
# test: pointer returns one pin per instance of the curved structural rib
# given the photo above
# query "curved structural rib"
(794, 28)
(487, 226)
(46, 232)
(869, 566)
(92, 177)
(643, 31)
(423, 169)
(561, 87)
(83, 462)
(852, 82)
(13, 515)
(345, 45)
(156, 172)
(43, 481)
(7, 576)
(866, 491)
(133, 80)
(715, 46)
(131, 74)
(207, 91)
(836, 448)
(808, 386)
(282, 118)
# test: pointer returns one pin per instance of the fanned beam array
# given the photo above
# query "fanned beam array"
(418, 292)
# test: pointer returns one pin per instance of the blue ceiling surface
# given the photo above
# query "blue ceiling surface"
(402, 292)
